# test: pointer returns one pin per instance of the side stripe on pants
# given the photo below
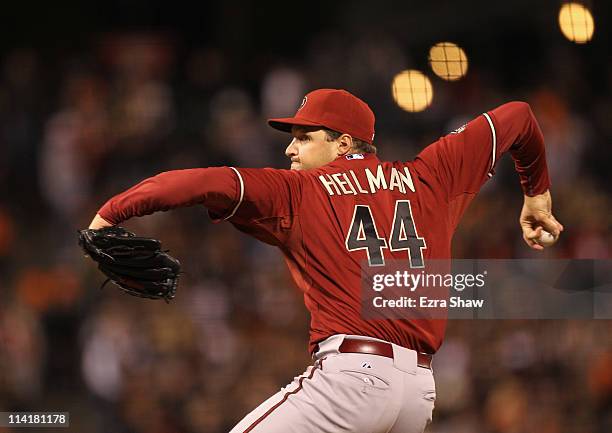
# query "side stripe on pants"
(285, 397)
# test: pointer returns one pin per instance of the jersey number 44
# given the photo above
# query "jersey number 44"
(363, 235)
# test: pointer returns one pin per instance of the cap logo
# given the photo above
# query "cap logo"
(303, 103)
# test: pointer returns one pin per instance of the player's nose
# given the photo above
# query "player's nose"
(291, 149)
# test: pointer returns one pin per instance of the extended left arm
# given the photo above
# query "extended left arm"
(217, 188)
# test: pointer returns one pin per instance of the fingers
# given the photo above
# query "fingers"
(530, 235)
(560, 226)
(551, 225)
(533, 232)
(536, 216)
(533, 244)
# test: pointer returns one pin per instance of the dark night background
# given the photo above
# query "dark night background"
(95, 96)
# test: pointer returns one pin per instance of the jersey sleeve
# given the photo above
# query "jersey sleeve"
(261, 202)
(463, 160)
(217, 188)
(269, 201)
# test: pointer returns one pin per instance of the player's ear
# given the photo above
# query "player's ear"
(345, 144)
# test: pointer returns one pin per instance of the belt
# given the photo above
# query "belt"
(353, 345)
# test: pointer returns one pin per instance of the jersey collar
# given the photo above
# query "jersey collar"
(353, 158)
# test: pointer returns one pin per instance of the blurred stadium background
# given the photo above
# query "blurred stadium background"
(95, 97)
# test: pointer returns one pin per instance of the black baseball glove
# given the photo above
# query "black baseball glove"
(136, 264)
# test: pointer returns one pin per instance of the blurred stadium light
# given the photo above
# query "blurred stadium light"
(412, 90)
(448, 61)
(576, 22)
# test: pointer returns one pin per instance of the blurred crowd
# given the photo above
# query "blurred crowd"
(77, 129)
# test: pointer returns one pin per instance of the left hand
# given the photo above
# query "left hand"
(136, 264)
(537, 216)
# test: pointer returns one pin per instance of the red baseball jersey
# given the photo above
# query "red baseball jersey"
(328, 221)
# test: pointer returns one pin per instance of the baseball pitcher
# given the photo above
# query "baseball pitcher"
(340, 206)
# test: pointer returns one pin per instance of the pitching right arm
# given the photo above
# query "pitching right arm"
(465, 159)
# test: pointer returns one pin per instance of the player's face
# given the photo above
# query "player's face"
(310, 148)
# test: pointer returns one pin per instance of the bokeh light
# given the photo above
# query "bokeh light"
(448, 61)
(576, 22)
(412, 90)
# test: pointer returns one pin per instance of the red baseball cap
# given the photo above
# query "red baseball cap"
(333, 109)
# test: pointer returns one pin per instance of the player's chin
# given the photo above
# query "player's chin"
(296, 166)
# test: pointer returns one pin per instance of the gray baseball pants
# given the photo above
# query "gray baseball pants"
(350, 392)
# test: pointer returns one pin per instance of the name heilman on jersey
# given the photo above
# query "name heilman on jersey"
(347, 182)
